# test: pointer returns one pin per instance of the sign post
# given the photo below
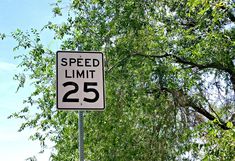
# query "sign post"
(81, 136)
(80, 84)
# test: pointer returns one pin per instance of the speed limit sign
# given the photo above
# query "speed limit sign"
(80, 80)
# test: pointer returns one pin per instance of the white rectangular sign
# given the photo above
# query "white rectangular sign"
(80, 80)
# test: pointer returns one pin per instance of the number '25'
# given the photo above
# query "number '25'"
(87, 88)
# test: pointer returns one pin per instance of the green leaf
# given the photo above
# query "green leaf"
(229, 124)
(2, 36)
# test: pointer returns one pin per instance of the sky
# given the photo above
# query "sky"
(22, 14)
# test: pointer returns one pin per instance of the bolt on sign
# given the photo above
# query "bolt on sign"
(80, 80)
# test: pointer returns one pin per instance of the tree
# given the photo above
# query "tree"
(170, 80)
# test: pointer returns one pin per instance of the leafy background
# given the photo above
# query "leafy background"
(170, 80)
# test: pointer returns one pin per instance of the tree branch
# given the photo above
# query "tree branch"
(152, 56)
(182, 60)
(117, 63)
(186, 101)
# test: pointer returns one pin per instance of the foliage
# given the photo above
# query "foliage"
(169, 69)
(206, 138)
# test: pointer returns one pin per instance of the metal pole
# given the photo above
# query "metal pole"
(81, 130)
(81, 136)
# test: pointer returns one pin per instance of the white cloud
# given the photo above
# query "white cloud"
(7, 66)
(10, 139)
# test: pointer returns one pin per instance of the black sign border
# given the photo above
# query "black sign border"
(79, 109)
